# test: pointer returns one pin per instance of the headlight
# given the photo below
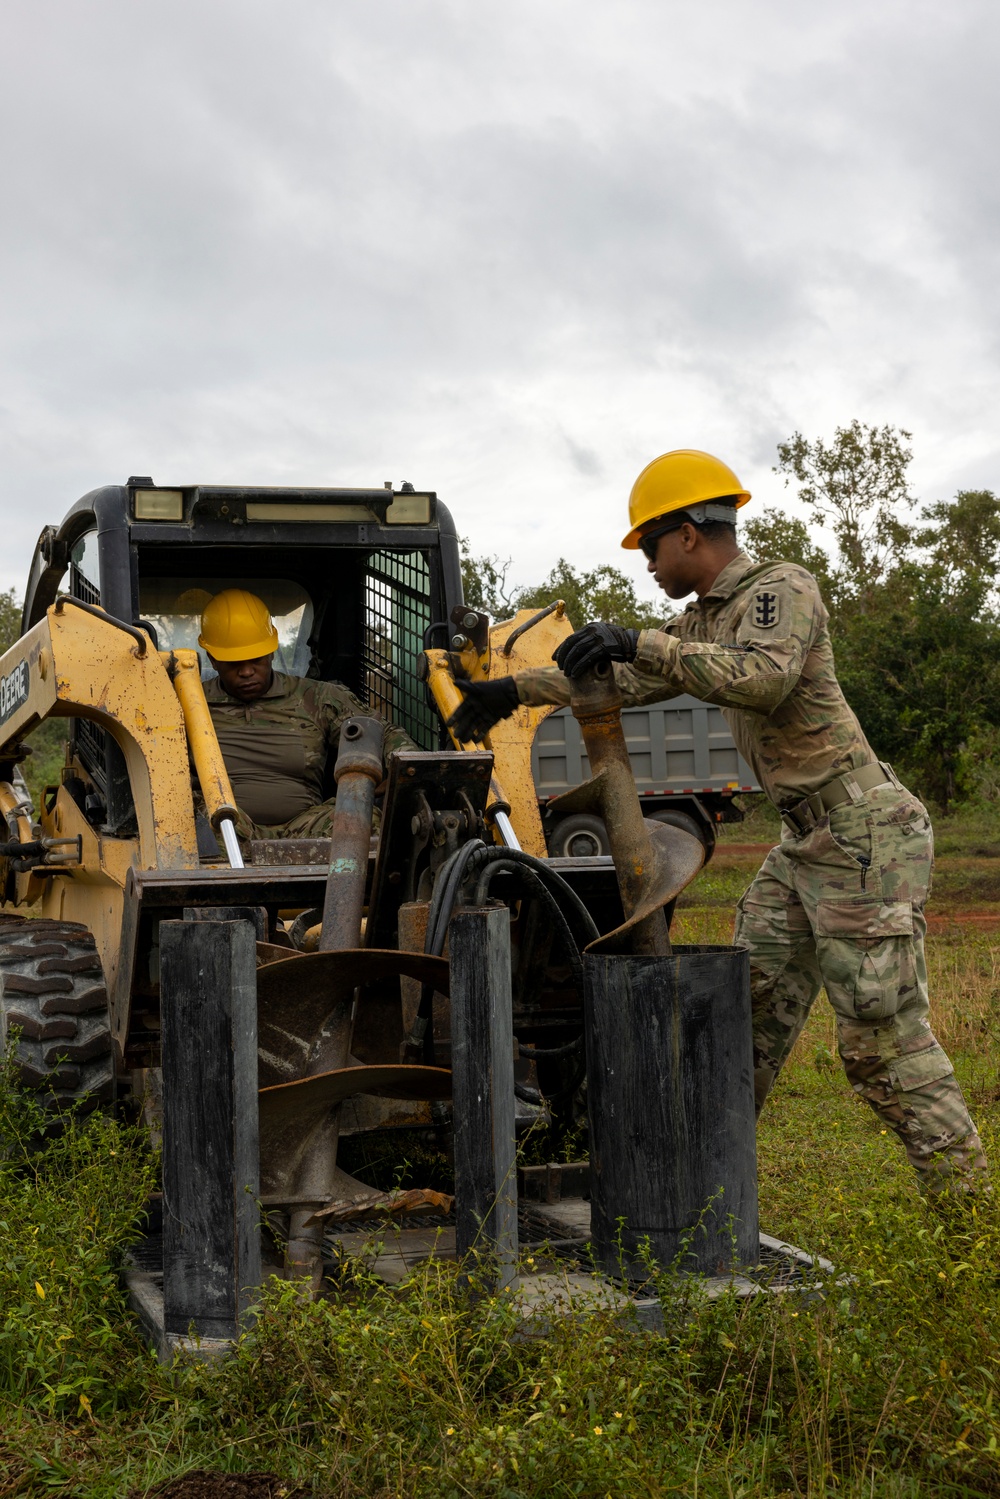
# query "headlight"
(159, 504)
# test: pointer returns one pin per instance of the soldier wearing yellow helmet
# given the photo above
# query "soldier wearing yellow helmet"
(275, 731)
(840, 902)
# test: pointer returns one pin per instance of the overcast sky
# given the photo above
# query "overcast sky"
(507, 251)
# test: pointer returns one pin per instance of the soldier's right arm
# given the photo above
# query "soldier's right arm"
(779, 622)
(546, 684)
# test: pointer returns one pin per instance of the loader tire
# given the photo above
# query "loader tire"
(52, 991)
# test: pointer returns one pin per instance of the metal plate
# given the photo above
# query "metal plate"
(441, 777)
(305, 1005)
(298, 1124)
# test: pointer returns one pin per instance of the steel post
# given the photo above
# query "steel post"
(357, 772)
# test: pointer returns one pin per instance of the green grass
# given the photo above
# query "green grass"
(887, 1386)
(48, 756)
(971, 831)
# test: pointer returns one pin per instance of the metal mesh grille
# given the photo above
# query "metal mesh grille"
(91, 741)
(397, 612)
(81, 588)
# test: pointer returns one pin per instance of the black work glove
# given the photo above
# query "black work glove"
(483, 705)
(596, 644)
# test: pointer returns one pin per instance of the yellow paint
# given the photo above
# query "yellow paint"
(18, 822)
(94, 894)
(78, 666)
(208, 762)
(511, 739)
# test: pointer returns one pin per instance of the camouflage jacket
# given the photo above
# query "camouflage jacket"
(276, 748)
(758, 645)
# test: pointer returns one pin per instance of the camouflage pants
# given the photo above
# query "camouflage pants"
(314, 822)
(842, 906)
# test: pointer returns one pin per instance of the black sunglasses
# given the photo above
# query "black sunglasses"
(648, 543)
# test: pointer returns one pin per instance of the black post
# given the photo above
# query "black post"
(255, 914)
(482, 1061)
(211, 1220)
(671, 1105)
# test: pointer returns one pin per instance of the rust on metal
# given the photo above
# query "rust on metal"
(273, 952)
(402, 1204)
(298, 1124)
(357, 772)
(653, 861)
(305, 1004)
(275, 853)
(557, 607)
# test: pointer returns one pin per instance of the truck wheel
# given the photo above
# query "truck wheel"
(682, 820)
(52, 990)
(581, 836)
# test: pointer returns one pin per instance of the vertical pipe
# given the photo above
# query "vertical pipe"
(670, 1098)
(357, 772)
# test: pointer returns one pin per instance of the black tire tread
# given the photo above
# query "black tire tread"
(48, 990)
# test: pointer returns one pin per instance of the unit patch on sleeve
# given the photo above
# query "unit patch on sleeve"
(765, 609)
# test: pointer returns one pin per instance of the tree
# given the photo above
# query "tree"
(773, 537)
(963, 537)
(603, 593)
(48, 739)
(484, 584)
(855, 485)
(10, 620)
(920, 663)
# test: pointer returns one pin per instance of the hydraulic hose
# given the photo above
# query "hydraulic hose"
(476, 858)
(446, 887)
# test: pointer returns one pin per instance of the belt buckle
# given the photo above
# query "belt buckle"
(791, 821)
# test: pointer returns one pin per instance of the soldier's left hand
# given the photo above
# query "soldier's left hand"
(597, 644)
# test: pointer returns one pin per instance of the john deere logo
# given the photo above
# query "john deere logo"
(765, 610)
(13, 690)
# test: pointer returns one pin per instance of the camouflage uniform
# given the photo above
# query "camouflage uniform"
(276, 751)
(840, 902)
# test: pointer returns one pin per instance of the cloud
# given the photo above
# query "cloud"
(510, 251)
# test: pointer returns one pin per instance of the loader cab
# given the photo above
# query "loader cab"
(354, 579)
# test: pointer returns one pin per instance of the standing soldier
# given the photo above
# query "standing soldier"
(840, 901)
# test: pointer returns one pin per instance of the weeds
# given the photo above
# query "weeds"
(69, 1203)
(883, 1384)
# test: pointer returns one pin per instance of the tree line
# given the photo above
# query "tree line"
(911, 588)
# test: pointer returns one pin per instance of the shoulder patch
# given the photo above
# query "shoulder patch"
(765, 608)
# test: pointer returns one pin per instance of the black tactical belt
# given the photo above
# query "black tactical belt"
(807, 813)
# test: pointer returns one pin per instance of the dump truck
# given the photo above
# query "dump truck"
(113, 884)
(685, 764)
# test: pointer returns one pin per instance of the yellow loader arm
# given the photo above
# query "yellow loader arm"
(527, 640)
(68, 666)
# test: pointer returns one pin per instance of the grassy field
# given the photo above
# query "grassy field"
(887, 1386)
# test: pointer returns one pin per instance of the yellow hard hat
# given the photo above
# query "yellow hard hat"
(675, 481)
(237, 626)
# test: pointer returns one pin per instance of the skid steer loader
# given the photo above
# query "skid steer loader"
(364, 586)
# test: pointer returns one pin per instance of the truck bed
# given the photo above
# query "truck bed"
(678, 747)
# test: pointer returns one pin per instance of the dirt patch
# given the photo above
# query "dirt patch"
(201, 1484)
(944, 921)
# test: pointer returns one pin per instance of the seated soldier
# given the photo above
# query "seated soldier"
(275, 731)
